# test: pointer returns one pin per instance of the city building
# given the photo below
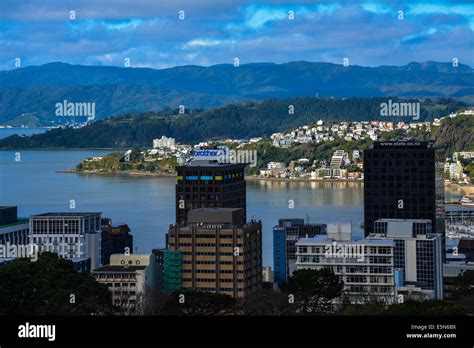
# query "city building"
(466, 248)
(115, 239)
(453, 171)
(418, 254)
(164, 142)
(285, 236)
(13, 230)
(132, 279)
(452, 268)
(221, 253)
(209, 184)
(169, 269)
(338, 159)
(81, 265)
(403, 180)
(365, 266)
(70, 235)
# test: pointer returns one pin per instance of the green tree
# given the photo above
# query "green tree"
(464, 283)
(425, 308)
(268, 302)
(313, 290)
(198, 303)
(50, 286)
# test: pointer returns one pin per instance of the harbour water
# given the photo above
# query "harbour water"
(31, 180)
(147, 204)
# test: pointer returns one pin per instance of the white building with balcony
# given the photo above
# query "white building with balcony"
(131, 278)
(365, 266)
(70, 235)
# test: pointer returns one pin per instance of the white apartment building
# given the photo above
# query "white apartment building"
(131, 278)
(70, 235)
(453, 171)
(338, 159)
(463, 154)
(365, 266)
(164, 142)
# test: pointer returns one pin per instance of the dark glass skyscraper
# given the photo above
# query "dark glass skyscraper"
(403, 180)
(209, 184)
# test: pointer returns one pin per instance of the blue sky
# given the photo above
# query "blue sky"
(150, 34)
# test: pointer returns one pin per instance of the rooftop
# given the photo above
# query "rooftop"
(404, 144)
(403, 220)
(212, 164)
(67, 214)
(20, 221)
(118, 269)
(324, 239)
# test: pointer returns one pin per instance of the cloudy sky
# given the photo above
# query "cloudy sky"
(150, 33)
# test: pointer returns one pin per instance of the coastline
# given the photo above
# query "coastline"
(259, 178)
(129, 172)
(467, 190)
(165, 174)
(62, 148)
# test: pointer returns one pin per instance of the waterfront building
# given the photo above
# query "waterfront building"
(209, 184)
(453, 171)
(115, 239)
(338, 159)
(132, 280)
(285, 236)
(418, 253)
(221, 252)
(70, 235)
(404, 180)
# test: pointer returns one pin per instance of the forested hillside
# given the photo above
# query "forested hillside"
(234, 121)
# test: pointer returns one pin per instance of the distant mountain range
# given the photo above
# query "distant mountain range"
(30, 94)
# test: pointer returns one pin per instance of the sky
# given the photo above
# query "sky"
(161, 34)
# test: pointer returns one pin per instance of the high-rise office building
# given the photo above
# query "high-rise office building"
(418, 255)
(209, 184)
(115, 239)
(403, 180)
(70, 235)
(169, 269)
(220, 251)
(285, 236)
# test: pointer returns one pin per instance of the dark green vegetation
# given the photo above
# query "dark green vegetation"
(456, 134)
(307, 292)
(116, 91)
(136, 161)
(453, 135)
(45, 287)
(235, 121)
(36, 106)
(313, 290)
(198, 303)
